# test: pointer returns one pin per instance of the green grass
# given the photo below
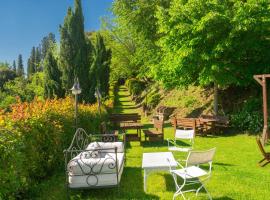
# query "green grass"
(236, 174)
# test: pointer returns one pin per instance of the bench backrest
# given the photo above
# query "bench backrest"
(117, 118)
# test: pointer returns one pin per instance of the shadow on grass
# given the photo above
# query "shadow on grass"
(131, 187)
(223, 198)
(148, 144)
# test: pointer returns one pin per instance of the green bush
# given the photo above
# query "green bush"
(249, 117)
(135, 87)
(153, 100)
(32, 139)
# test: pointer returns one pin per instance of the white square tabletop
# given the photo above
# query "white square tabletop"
(158, 160)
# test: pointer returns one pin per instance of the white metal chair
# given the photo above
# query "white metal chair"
(181, 135)
(192, 174)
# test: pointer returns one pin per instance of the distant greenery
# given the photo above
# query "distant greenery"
(52, 68)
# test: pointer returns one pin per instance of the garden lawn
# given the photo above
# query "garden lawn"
(236, 174)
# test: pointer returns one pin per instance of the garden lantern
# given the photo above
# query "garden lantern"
(76, 90)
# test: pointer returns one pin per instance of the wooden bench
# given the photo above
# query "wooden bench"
(157, 134)
(187, 123)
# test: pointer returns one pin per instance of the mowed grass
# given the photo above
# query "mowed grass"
(236, 174)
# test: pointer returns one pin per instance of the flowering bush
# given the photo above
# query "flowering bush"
(33, 137)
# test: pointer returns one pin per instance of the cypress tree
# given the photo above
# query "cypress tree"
(14, 68)
(100, 68)
(20, 69)
(66, 52)
(31, 63)
(52, 77)
(46, 43)
(28, 68)
(74, 52)
(37, 60)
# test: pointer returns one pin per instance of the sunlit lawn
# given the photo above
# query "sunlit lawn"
(236, 174)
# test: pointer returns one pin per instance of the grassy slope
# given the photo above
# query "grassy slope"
(235, 171)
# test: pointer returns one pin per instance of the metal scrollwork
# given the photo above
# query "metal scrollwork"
(87, 158)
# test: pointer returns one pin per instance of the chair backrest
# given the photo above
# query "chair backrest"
(200, 157)
(184, 123)
(184, 134)
(260, 146)
(158, 125)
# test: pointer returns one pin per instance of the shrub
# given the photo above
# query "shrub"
(249, 117)
(153, 100)
(135, 86)
(33, 138)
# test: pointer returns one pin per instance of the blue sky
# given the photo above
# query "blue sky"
(23, 23)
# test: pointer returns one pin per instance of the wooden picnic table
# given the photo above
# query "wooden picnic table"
(132, 125)
(209, 123)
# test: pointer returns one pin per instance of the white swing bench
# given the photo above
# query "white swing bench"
(94, 161)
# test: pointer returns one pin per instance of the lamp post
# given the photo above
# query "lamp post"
(76, 90)
(98, 96)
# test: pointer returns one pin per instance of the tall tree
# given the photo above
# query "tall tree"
(20, 69)
(14, 66)
(46, 43)
(31, 62)
(52, 77)
(74, 57)
(100, 68)
(220, 43)
(37, 60)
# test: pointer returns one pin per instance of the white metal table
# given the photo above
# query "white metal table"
(157, 162)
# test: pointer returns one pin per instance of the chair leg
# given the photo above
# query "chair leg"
(261, 160)
(202, 186)
(178, 189)
(265, 163)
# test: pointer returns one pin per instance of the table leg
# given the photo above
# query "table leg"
(145, 181)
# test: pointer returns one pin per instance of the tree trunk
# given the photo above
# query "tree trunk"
(215, 99)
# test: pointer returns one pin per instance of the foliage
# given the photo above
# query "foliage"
(99, 73)
(25, 90)
(19, 87)
(225, 42)
(53, 86)
(20, 69)
(135, 86)
(6, 74)
(14, 67)
(46, 43)
(74, 51)
(152, 100)
(135, 30)
(33, 136)
(249, 117)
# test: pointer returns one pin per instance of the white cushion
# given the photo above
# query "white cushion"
(183, 149)
(190, 172)
(184, 134)
(109, 147)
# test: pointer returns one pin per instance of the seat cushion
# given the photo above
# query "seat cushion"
(109, 147)
(190, 172)
(183, 149)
